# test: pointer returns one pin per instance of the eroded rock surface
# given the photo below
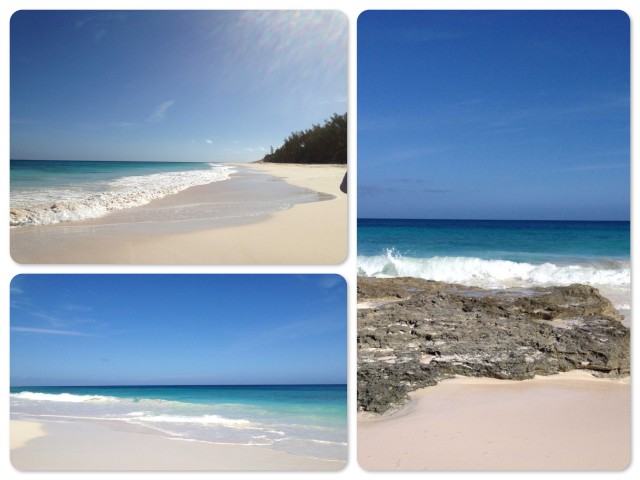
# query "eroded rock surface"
(417, 332)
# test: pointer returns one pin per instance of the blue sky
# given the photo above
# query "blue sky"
(494, 115)
(178, 329)
(173, 85)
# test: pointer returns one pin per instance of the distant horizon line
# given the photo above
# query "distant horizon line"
(488, 219)
(191, 385)
(120, 161)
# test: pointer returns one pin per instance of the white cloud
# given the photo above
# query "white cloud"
(160, 112)
(330, 281)
(48, 331)
(209, 141)
(73, 307)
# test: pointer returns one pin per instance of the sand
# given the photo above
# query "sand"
(84, 446)
(571, 421)
(22, 432)
(308, 233)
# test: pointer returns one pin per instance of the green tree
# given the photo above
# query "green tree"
(321, 144)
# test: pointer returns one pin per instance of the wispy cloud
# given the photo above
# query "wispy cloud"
(415, 153)
(324, 282)
(330, 281)
(49, 331)
(160, 112)
(52, 320)
(98, 25)
(209, 141)
(375, 190)
(73, 307)
(61, 316)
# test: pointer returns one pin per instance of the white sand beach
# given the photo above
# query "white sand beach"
(307, 233)
(570, 421)
(22, 432)
(91, 446)
(310, 233)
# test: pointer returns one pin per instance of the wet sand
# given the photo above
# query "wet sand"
(308, 233)
(91, 446)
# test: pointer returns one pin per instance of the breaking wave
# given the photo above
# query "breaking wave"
(63, 205)
(62, 397)
(498, 273)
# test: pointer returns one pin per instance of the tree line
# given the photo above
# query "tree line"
(319, 144)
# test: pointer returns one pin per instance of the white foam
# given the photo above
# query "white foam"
(62, 397)
(57, 205)
(497, 273)
(201, 420)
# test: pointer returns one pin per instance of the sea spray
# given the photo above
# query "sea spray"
(483, 273)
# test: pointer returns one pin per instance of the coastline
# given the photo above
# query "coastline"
(313, 233)
(91, 446)
(567, 421)
(457, 378)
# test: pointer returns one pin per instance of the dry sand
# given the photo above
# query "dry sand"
(307, 233)
(571, 421)
(22, 432)
(84, 446)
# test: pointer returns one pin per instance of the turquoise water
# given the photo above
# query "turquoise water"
(59, 173)
(46, 192)
(309, 420)
(500, 253)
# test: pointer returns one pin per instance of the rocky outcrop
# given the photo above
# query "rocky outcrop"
(415, 333)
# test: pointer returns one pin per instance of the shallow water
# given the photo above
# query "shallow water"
(307, 420)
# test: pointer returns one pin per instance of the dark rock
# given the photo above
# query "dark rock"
(419, 332)
(343, 184)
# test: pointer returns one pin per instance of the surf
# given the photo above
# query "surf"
(493, 274)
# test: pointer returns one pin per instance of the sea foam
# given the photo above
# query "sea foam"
(202, 420)
(497, 273)
(50, 206)
(62, 397)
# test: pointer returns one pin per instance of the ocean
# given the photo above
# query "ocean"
(43, 192)
(497, 254)
(49, 192)
(307, 420)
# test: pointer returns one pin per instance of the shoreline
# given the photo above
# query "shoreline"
(313, 232)
(458, 378)
(92, 446)
(567, 421)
